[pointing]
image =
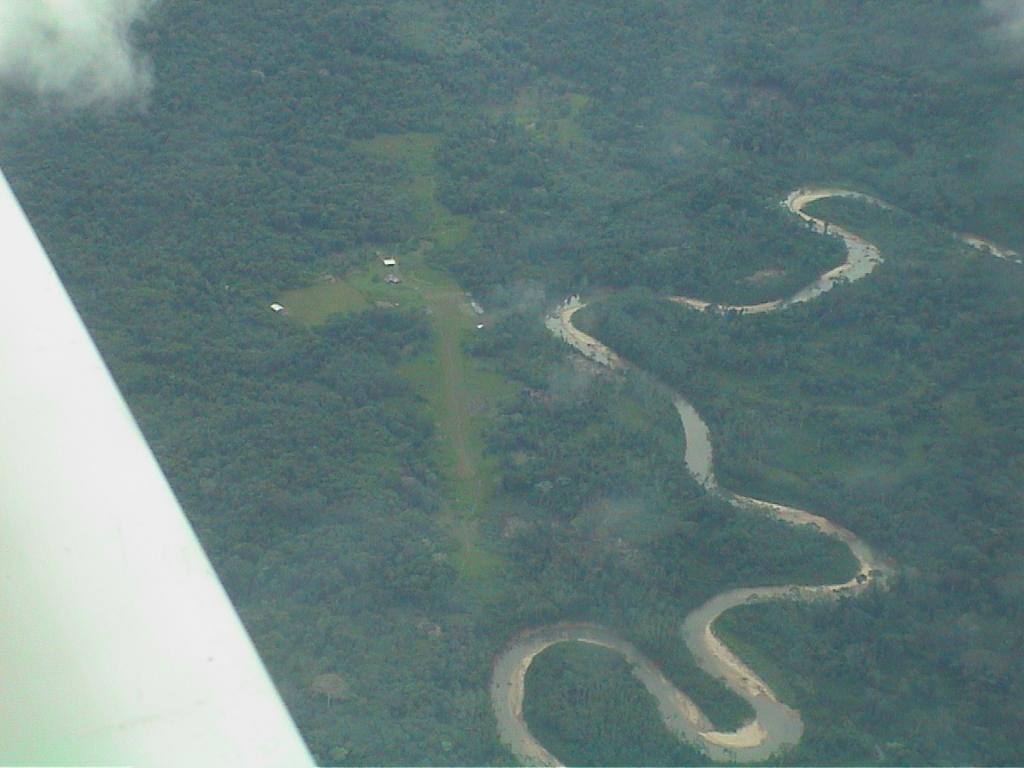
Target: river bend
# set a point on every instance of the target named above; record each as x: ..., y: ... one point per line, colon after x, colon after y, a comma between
x: 775, y: 725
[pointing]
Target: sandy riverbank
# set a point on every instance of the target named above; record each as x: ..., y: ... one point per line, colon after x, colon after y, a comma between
x: 775, y: 725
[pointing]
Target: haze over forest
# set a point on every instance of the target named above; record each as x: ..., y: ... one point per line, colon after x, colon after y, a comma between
x: 404, y: 473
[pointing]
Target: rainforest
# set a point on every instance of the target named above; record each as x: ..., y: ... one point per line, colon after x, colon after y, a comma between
x: 529, y: 262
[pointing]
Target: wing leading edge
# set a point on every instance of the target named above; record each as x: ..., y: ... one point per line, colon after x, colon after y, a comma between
x: 119, y: 644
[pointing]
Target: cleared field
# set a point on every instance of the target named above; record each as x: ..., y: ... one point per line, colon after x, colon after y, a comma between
x: 314, y: 304
x: 553, y: 117
x: 415, y: 152
x: 459, y: 394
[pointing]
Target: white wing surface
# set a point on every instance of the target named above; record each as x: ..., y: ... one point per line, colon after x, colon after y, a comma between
x: 118, y: 644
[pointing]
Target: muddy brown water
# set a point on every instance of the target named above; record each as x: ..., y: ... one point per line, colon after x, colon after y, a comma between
x: 775, y: 726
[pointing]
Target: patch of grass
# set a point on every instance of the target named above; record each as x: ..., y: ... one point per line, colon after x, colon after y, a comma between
x: 414, y: 151
x: 689, y: 132
x: 313, y: 304
x: 611, y: 520
x: 460, y: 393
x: 422, y: 27
x: 555, y: 117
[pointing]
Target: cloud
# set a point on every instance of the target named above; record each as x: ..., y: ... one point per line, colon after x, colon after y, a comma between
x: 79, y: 51
x: 1010, y: 16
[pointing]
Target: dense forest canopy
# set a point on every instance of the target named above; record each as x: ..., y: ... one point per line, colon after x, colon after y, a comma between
x: 392, y: 494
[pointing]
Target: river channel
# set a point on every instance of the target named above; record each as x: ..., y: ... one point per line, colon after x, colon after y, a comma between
x: 775, y: 725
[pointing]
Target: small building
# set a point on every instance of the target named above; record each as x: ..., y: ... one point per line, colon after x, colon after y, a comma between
x: 393, y: 278
x: 388, y: 261
x: 277, y: 307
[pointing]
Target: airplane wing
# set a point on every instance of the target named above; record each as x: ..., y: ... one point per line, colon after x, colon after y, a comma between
x: 118, y: 644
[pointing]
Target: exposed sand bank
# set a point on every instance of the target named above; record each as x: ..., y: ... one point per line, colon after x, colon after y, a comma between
x: 775, y: 725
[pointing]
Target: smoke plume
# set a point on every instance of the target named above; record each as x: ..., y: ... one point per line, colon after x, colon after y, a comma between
x: 79, y: 51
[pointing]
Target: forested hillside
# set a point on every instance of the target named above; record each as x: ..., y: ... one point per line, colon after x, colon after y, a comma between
x: 391, y: 494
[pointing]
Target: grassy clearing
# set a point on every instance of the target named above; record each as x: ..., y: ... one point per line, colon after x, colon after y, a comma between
x: 358, y: 290
x: 460, y: 395
x: 689, y: 133
x: 415, y: 153
x: 554, y: 117
x: 422, y: 26
x: 314, y: 304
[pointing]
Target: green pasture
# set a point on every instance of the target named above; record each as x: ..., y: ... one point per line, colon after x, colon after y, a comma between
x: 458, y: 393
x: 314, y: 304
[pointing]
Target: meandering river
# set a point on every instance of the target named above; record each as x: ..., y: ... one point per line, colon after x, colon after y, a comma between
x: 775, y: 725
